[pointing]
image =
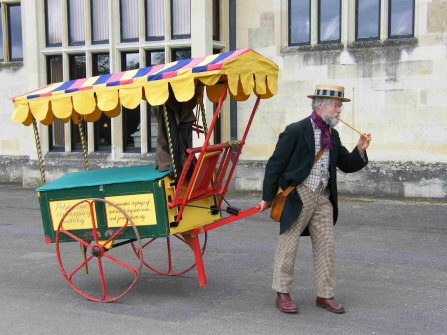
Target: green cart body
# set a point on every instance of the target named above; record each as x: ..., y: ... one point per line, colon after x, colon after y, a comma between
x: 140, y: 192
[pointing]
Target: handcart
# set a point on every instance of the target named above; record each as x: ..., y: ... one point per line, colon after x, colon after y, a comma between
x: 102, y: 220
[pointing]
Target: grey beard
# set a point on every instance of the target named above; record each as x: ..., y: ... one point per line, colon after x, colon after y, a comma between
x: 330, y: 121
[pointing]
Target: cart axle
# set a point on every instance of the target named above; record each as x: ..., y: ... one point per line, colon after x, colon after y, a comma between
x: 97, y: 251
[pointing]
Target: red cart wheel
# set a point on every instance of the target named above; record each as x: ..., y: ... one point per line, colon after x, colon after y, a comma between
x: 179, y: 258
x: 112, y: 271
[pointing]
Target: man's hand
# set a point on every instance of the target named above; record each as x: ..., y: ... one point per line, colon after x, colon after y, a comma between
x: 363, y: 144
x: 263, y: 205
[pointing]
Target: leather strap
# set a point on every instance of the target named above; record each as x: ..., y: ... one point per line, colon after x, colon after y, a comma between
x: 317, y: 157
x: 320, y: 153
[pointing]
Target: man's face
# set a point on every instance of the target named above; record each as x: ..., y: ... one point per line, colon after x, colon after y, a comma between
x: 331, y: 112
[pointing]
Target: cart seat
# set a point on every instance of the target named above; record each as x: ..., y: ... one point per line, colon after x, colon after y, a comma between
x: 209, y: 173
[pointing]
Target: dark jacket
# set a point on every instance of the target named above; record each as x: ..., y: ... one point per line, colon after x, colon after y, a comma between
x: 292, y: 161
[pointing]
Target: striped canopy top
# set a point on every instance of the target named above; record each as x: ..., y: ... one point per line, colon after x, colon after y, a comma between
x: 245, y: 71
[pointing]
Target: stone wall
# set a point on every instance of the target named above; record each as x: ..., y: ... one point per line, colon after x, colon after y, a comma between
x: 377, y: 179
x: 398, y: 89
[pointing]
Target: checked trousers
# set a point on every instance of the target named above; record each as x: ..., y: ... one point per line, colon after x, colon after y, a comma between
x: 316, y: 215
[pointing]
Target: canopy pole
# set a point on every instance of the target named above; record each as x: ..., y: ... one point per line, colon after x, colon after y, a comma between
x: 171, y: 147
x: 39, y: 153
x: 205, y: 126
x: 87, y: 167
x: 84, y: 146
x: 201, y: 106
x: 242, y: 143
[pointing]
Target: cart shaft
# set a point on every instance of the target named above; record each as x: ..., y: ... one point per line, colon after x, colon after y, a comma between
x: 196, y: 243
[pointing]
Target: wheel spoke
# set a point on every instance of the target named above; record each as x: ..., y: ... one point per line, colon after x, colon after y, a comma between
x: 108, y: 265
x: 172, y: 270
x: 76, y: 238
x: 116, y: 234
x: 103, y: 280
x: 168, y: 244
x: 70, y: 275
x: 124, y: 265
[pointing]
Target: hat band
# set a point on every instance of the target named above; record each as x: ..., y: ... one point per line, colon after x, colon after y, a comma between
x: 330, y: 93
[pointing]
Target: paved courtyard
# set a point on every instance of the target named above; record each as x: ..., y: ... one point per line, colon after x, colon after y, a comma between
x: 391, y: 274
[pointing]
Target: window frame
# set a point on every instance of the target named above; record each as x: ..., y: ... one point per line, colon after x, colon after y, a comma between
x: 98, y: 147
x: 2, y: 53
x: 174, y: 54
x: 319, y: 25
x: 78, y: 43
x: 52, y: 147
x: 216, y: 20
x: 290, y: 26
x: 148, y: 56
x: 152, y: 38
x: 122, y: 39
x: 99, y: 42
x: 90, y: 50
x: 6, y: 30
x: 152, y: 147
x: 125, y: 111
x: 47, y: 37
x: 179, y: 36
x: 9, y: 32
x: 394, y: 37
x: 71, y: 63
x: 357, y: 23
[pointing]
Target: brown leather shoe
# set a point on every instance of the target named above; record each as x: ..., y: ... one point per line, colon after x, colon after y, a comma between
x: 285, y: 304
x: 330, y: 304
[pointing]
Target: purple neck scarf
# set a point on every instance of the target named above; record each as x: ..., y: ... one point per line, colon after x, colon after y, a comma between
x: 325, y: 130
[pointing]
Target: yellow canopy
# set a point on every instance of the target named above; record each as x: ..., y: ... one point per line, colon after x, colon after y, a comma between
x: 245, y: 70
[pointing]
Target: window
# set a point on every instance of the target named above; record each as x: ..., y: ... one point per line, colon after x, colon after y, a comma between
x: 2, y: 47
x: 179, y: 54
x: 11, y: 49
x: 53, y: 20
x: 401, y: 18
x: 329, y: 20
x: 313, y: 22
x: 103, y: 131
x: 299, y: 18
x: 100, y: 64
x: 129, y: 20
x: 76, y: 22
x: 181, y: 19
x: 216, y: 20
x: 56, y: 130
x: 78, y: 44
x: 131, y: 117
x: 155, y: 20
x: 100, y: 21
x: 77, y: 71
x: 367, y: 20
x: 154, y: 57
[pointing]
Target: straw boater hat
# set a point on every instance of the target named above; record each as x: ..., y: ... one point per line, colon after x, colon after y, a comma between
x: 329, y: 91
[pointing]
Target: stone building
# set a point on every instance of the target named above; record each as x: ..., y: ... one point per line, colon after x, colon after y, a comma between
x: 391, y: 56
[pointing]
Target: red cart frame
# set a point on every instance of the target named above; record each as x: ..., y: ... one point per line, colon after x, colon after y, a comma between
x: 238, y: 74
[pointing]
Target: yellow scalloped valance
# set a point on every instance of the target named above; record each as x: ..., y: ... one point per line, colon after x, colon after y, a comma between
x: 246, y: 71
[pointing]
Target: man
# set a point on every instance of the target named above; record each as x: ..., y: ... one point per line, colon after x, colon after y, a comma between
x: 311, y: 207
